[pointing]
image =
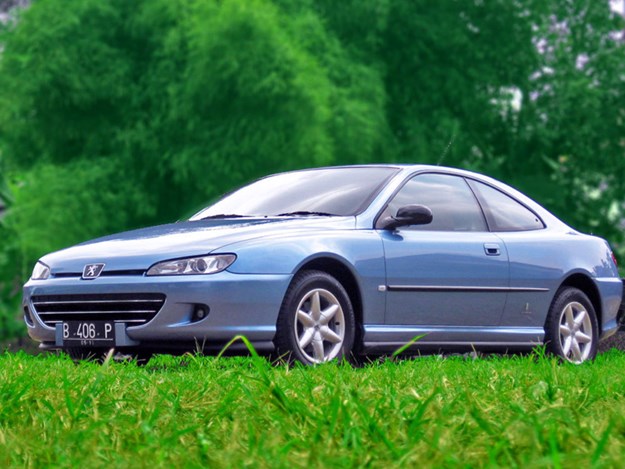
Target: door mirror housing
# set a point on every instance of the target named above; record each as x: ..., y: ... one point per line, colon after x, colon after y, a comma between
x: 407, y: 215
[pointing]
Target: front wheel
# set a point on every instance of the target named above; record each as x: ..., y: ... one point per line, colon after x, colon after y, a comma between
x: 316, y: 322
x: 571, y: 329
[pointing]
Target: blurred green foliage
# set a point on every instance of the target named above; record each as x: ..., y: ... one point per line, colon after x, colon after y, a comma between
x: 117, y: 114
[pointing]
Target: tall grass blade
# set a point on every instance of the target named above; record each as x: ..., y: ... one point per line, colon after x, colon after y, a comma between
x: 406, y: 346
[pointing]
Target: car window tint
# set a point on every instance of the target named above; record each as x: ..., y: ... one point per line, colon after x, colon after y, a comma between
x: 335, y: 191
x: 453, y: 205
x: 503, y: 212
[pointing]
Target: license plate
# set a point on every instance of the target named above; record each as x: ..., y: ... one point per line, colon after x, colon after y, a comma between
x: 89, y: 333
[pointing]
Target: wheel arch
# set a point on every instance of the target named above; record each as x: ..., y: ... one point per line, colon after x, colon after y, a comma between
x: 584, y: 283
x: 342, y: 273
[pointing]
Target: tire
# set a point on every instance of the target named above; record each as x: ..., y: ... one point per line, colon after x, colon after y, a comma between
x: 571, y: 329
x: 316, y: 322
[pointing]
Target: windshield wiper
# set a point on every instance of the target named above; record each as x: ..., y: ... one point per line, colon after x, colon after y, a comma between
x: 305, y: 213
x: 223, y: 215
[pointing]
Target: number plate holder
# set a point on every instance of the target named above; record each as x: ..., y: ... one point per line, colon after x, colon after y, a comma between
x: 88, y: 333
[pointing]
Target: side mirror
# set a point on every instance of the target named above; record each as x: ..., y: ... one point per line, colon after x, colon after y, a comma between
x: 408, y: 215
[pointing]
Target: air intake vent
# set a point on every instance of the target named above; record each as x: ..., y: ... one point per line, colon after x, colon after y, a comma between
x: 134, y: 308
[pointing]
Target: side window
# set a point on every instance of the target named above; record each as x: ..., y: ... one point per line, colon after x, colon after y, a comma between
x: 503, y: 212
x: 453, y: 205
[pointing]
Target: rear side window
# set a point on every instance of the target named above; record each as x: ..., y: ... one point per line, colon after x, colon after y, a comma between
x: 503, y: 213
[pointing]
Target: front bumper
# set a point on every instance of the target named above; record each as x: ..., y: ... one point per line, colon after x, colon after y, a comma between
x: 237, y: 304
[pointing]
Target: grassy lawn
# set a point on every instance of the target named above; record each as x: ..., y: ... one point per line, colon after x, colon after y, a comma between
x: 233, y: 412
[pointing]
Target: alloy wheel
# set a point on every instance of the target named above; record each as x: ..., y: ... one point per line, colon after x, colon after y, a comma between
x: 319, y: 326
x: 575, y: 332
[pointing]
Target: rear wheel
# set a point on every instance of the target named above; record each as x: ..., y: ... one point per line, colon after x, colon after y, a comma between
x: 571, y: 330
x: 316, y: 322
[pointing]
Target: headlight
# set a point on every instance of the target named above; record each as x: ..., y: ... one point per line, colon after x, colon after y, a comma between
x: 193, y: 265
x: 40, y: 272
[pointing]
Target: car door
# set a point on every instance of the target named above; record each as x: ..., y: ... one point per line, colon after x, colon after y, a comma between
x: 450, y: 272
x: 535, y: 272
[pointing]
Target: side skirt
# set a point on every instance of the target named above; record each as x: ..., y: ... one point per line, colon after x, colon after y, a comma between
x: 388, y: 338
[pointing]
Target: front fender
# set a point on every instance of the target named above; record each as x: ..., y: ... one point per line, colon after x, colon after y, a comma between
x: 360, y: 251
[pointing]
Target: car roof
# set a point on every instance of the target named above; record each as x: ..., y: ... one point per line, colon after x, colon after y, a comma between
x: 406, y: 168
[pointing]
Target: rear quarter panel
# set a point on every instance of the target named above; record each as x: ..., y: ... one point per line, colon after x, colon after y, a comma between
x: 546, y: 259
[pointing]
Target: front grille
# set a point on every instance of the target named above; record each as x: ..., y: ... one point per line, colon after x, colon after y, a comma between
x: 135, y: 308
x: 106, y: 273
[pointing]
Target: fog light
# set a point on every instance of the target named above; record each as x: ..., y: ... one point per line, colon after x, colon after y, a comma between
x: 199, y: 313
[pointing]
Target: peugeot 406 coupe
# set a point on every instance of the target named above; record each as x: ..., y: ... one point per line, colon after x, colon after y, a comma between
x: 333, y: 263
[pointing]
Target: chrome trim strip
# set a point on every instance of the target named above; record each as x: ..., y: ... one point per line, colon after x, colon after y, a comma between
x: 141, y: 321
x: 440, y: 288
x: 136, y: 311
x: 402, y: 334
x: 450, y: 343
x: 60, y: 302
x: 410, y: 329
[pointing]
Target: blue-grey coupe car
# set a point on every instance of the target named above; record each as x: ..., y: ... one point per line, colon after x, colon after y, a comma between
x: 332, y: 263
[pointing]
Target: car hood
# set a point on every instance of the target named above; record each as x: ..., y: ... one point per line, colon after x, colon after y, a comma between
x: 139, y: 249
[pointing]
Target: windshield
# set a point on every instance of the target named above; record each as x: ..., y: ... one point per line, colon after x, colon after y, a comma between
x: 327, y: 191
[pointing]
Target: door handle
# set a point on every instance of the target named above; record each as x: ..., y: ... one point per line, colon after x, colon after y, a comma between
x: 492, y: 249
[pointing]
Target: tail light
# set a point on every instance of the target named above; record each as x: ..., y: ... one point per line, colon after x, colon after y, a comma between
x: 614, y: 259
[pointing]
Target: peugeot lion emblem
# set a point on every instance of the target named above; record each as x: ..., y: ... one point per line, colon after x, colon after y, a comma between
x: 92, y: 271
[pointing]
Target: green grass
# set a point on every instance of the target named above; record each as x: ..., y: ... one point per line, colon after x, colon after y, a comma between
x: 233, y: 412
